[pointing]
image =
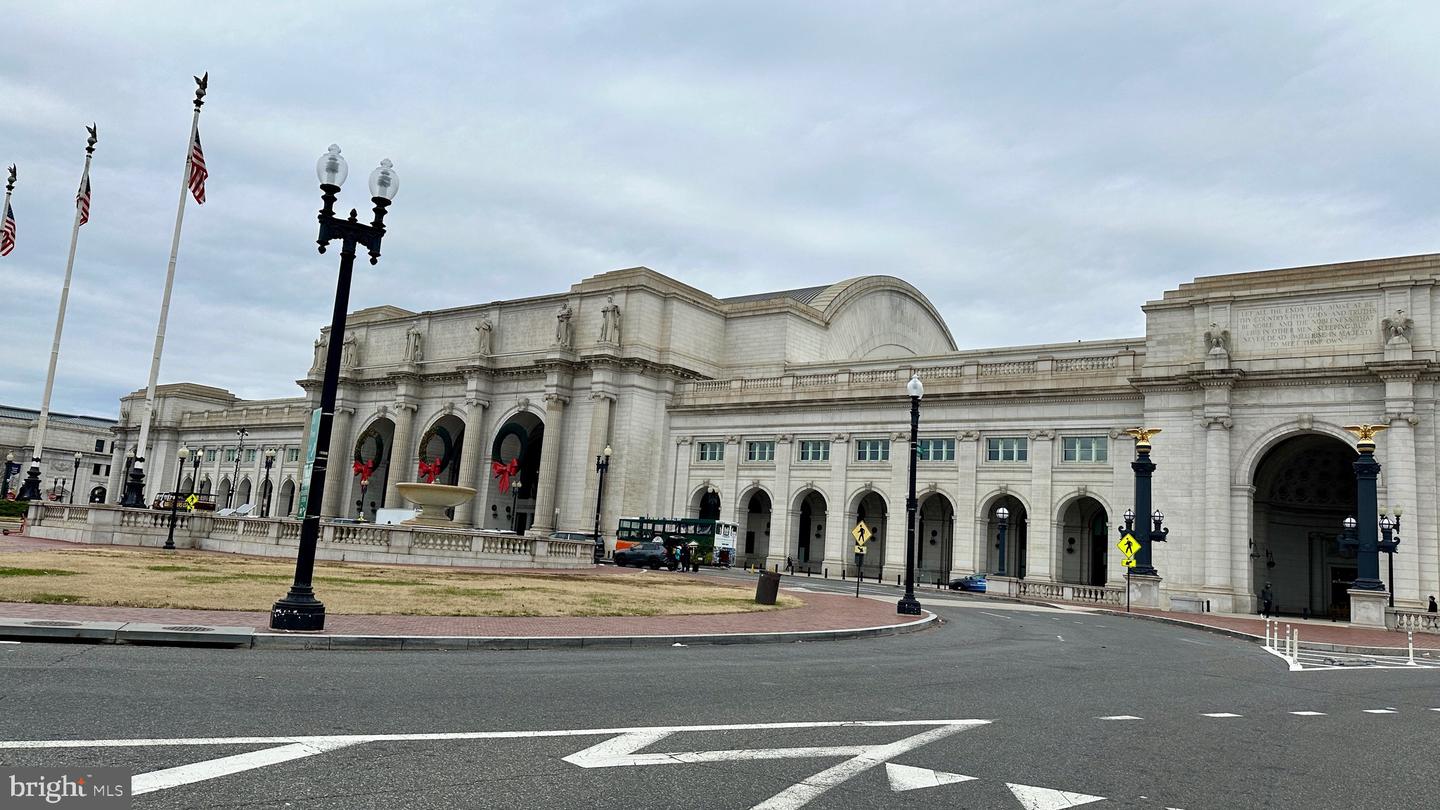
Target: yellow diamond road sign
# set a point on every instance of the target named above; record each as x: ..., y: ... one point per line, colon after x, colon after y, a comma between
x: 861, y: 533
x: 1128, y: 562
x: 191, y: 501
x: 1128, y: 545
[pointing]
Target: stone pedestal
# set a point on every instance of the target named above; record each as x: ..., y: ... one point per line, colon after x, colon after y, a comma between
x: 1145, y: 591
x: 1367, y: 608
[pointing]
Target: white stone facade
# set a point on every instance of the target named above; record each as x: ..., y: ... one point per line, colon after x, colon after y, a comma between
x: 786, y: 413
x: 60, y: 472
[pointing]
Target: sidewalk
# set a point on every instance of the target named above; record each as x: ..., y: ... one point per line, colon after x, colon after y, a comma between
x: 1312, y: 632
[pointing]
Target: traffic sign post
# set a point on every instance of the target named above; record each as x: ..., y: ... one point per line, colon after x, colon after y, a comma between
x: 859, y: 566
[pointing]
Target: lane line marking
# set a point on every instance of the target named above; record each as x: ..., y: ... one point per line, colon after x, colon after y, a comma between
x: 1192, y: 641
x: 225, y: 766
x: 1120, y: 717
x: 1219, y: 714
x: 1380, y: 711
x: 1309, y: 714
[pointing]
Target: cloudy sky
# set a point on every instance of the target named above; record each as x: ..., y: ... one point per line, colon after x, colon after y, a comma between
x: 1039, y: 169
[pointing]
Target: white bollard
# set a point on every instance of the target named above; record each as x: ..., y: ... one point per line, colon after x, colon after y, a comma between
x: 1410, y: 642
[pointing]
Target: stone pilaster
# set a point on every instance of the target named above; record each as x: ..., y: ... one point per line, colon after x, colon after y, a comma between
x: 1040, y: 548
x: 966, y: 544
x: 337, y: 464
x: 403, y: 465
x: 602, y: 402
x: 785, y: 515
x: 684, y: 454
x: 729, y: 483
x: 1401, y: 478
x: 839, y: 518
x: 546, y: 497
x: 1219, y: 552
x: 472, y: 455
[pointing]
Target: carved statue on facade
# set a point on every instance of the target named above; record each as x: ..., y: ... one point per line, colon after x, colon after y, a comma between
x: 484, y: 334
x: 610, y: 321
x: 349, y: 352
x: 563, y: 334
x: 1217, y: 340
x: 414, y: 344
x: 322, y: 347
x: 1397, y: 327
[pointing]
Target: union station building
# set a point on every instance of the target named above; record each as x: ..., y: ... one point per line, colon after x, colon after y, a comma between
x: 786, y: 413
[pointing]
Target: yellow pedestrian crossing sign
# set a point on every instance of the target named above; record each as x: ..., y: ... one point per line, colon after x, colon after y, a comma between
x: 1128, y: 545
x: 862, y: 534
x: 191, y: 501
x: 1128, y: 562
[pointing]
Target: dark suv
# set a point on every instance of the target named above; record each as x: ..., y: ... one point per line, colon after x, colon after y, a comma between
x: 643, y: 554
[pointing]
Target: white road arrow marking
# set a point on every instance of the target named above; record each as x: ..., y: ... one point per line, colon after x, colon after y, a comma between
x: 213, y: 768
x: 1039, y: 798
x: 619, y: 752
x: 905, y: 777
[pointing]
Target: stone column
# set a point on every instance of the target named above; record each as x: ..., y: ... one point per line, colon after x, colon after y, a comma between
x: 300, y: 479
x: 546, y: 498
x: 839, y: 520
x: 1216, y: 553
x: 1401, y: 488
x: 1040, y: 549
x: 403, y: 465
x: 337, y: 468
x: 472, y: 454
x: 896, y: 534
x: 684, y: 453
x: 966, y: 542
x: 729, y: 485
x: 117, y: 471
x: 601, y: 402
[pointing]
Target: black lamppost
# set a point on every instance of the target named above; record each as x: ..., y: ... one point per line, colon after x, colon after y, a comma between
x: 183, y: 453
x: 1389, y: 543
x: 75, y: 475
x: 195, y: 469
x: 908, y: 604
x: 265, y: 488
x: 602, y: 463
x: 129, y: 462
x: 1367, y: 508
x: 1003, y: 516
x: 1144, y: 470
x: 299, y: 609
x: 235, y: 481
x: 9, y: 466
x: 515, y: 506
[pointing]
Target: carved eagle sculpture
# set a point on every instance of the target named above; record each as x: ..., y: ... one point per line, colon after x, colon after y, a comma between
x: 1397, y: 326
x: 1217, y: 338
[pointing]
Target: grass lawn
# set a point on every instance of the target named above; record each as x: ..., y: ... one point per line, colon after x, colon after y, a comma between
x: 199, y: 580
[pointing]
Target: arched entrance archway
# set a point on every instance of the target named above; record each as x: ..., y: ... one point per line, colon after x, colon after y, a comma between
x: 1008, y: 561
x: 755, y: 533
x: 205, y: 486
x: 97, y: 495
x: 242, y: 497
x: 188, y: 485
x: 443, y: 443
x: 287, y: 499
x: 1304, y: 489
x: 810, y: 518
x: 515, y: 462
x: 222, y: 495
x: 1081, y: 546
x: 706, y: 503
x: 267, y: 498
x: 934, y: 535
x: 372, y: 448
x: 870, y: 507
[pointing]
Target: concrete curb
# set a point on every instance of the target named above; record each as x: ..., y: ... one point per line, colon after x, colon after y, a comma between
x: 246, y: 637
x: 1243, y: 636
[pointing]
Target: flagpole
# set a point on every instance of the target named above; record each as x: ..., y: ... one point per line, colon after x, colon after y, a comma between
x: 31, y: 489
x: 5, y: 210
x: 135, y: 486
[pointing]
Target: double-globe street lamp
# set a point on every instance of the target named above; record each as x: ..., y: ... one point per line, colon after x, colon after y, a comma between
x: 299, y: 609
x: 240, y: 433
x: 9, y: 466
x: 1389, y: 543
x: 602, y: 463
x: 75, y: 475
x: 265, y: 488
x: 195, y: 469
x: 182, y: 454
x: 908, y: 604
x: 1003, y: 516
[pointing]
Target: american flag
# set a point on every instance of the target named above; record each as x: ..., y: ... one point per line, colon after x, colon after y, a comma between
x: 82, y: 199
x: 7, y: 233
x: 197, y: 170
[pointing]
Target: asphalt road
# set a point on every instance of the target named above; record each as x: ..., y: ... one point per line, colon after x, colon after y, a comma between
x: 698, y: 726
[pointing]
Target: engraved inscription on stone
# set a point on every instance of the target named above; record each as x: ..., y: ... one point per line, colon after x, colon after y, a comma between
x: 1309, y: 325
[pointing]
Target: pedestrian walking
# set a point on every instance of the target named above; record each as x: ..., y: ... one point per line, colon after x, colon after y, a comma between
x: 1434, y: 608
x: 682, y: 555
x: 789, y: 565
x: 1267, y: 600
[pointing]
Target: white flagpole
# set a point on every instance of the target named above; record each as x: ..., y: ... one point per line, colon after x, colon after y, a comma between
x: 31, y: 488
x: 135, y: 487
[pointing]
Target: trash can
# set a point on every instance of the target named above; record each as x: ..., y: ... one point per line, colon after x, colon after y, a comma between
x: 767, y: 588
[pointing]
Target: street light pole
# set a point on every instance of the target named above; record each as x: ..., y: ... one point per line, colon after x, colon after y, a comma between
x: 235, y: 481
x: 195, y: 470
x: 515, y: 506
x: 1003, y: 516
x: 299, y: 609
x: 1144, y: 471
x: 265, y: 491
x: 908, y: 604
x: 602, y: 463
x: 1367, y: 508
x: 1389, y: 544
x: 183, y: 454
x: 75, y: 475
x: 5, y: 487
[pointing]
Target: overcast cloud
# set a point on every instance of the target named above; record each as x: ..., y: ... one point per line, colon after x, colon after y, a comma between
x: 1038, y: 169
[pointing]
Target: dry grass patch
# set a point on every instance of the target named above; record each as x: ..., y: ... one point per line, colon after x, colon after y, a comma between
x: 196, y: 580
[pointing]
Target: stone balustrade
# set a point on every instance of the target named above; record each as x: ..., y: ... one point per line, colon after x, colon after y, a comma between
x: 1414, y: 621
x: 280, y: 537
x: 1057, y: 591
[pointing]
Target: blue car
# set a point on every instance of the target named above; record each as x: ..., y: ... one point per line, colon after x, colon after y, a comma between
x: 975, y: 583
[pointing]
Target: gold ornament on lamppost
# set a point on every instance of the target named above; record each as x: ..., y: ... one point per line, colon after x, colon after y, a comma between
x: 1366, y: 435
x: 1142, y: 436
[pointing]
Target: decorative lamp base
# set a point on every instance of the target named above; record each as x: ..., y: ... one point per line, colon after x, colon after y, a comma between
x: 298, y: 614
x: 135, y: 488
x: 1367, y: 607
x: 908, y: 606
x: 30, y: 490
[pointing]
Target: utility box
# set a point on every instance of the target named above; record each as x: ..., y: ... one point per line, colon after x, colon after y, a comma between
x: 768, y: 588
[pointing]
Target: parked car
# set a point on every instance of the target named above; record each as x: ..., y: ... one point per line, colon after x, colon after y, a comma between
x: 643, y: 554
x: 583, y: 537
x: 974, y: 583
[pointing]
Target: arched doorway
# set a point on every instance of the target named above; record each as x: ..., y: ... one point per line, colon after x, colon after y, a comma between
x: 810, y: 529
x: 267, y: 498
x: 706, y: 503
x: 205, y: 486
x: 515, y: 464
x: 372, y: 453
x: 97, y: 495
x: 870, y: 507
x: 934, y: 534
x: 242, y: 497
x: 755, y: 534
x: 1009, y: 560
x: 443, y: 444
x: 1304, y: 489
x: 287, y: 499
x: 1084, y: 529
x: 222, y: 495
x: 188, y: 485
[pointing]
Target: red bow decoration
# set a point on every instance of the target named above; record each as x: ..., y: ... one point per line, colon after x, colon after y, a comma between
x: 504, y: 471
x: 429, y: 470
x: 364, y: 469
